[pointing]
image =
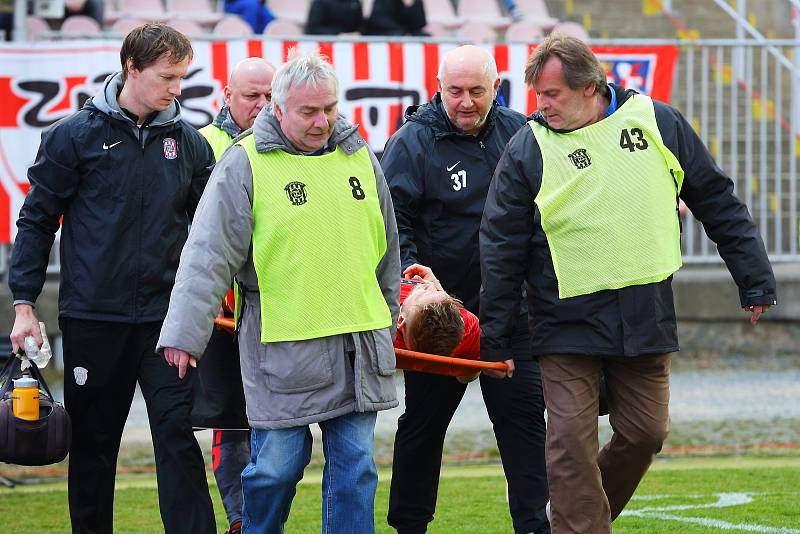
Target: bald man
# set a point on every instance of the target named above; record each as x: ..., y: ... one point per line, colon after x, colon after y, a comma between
x: 249, y: 90
x: 219, y: 396
x: 438, y: 166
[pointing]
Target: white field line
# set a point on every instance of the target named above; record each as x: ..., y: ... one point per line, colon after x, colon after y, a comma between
x: 724, y: 500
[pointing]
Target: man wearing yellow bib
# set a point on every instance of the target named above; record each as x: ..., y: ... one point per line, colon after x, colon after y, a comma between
x: 299, y: 211
x: 583, y: 207
x: 219, y: 398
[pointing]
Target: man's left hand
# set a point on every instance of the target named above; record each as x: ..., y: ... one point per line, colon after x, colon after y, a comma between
x: 756, y: 311
x: 179, y: 358
x: 501, y: 374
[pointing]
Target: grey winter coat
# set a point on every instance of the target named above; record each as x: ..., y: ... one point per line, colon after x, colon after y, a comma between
x: 289, y: 383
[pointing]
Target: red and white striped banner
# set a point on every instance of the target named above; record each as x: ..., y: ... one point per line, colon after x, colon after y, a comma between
x: 41, y: 83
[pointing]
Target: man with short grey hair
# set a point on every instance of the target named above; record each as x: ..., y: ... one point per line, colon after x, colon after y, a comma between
x: 219, y: 397
x: 298, y: 193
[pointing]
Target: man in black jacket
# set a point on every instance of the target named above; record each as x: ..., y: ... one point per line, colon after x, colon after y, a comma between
x: 126, y: 174
x: 439, y: 166
x: 584, y: 208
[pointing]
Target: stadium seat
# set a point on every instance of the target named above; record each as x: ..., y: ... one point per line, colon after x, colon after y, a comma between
x: 283, y: 28
x: 524, y: 31
x: 571, y: 29
x: 110, y: 12
x: 186, y: 26
x: 80, y: 24
x: 292, y: 10
x: 145, y: 9
x: 437, y: 29
x: 197, y: 10
x: 35, y: 27
x: 484, y: 11
x: 536, y: 11
x: 441, y: 12
x: 232, y: 26
x: 476, y: 32
x: 125, y: 24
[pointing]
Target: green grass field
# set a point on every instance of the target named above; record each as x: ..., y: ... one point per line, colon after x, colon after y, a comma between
x: 686, y: 495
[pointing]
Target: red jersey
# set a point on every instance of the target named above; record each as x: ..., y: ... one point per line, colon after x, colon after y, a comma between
x: 470, y: 346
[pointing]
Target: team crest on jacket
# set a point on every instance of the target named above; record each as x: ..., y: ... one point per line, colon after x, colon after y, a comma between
x: 170, y: 148
x: 296, y: 191
x: 580, y: 158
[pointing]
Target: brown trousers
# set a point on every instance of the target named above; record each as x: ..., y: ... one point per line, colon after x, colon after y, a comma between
x: 588, y: 489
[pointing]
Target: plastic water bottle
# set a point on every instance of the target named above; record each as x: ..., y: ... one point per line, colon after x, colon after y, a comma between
x: 39, y: 356
x: 25, y: 398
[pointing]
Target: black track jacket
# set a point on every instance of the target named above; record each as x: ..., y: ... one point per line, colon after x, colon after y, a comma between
x: 439, y: 177
x: 631, y: 321
x: 126, y: 195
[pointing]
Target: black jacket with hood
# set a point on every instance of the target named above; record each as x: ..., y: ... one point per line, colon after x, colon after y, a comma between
x: 631, y: 321
x: 439, y: 177
x: 126, y: 195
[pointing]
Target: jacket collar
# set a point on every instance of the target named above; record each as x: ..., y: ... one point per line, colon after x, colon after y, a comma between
x: 269, y: 136
x: 622, y: 96
x: 433, y: 115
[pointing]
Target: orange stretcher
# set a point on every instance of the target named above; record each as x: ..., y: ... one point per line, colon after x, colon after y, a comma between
x: 416, y: 361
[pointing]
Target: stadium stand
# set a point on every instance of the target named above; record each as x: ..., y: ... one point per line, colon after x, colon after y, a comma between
x: 283, y: 28
x: 80, y: 24
x: 125, y: 24
x: 232, y: 26
x: 571, y: 29
x: 476, y: 32
x: 437, y: 29
x: 291, y: 10
x: 482, y: 11
x: 35, y: 27
x: 536, y: 11
x: 441, y: 12
x: 144, y: 9
x: 186, y: 26
x: 524, y: 31
x: 198, y: 11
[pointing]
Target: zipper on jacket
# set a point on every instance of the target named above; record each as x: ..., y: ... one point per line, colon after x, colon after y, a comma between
x: 481, y: 144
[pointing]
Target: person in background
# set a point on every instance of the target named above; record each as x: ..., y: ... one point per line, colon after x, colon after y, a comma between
x: 439, y: 165
x: 300, y: 192
x: 89, y: 8
x: 396, y: 17
x: 219, y: 398
x: 513, y: 10
x: 126, y: 174
x: 332, y: 17
x: 583, y: 208
x: 254, y: 12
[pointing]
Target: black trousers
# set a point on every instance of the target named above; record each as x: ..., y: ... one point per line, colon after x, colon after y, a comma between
x: 516, y: 409
x: 103, y: 361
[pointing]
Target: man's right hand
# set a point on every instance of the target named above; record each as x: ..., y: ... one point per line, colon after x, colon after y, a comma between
x: 25, y: 324
x: 422, y: 272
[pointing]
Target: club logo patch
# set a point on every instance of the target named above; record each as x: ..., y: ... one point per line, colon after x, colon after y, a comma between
x: 580, y: 158
x: 170, y: 148
x: 81, y: 374
x: 296, y: 191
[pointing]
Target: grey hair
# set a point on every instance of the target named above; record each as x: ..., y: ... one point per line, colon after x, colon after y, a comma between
x: 302, y: 69
x: 490, y: 68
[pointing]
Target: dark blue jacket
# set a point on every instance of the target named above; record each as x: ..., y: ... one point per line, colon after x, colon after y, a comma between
x: 126, y: 195
x: 632, y: 321
x: 439, y: 177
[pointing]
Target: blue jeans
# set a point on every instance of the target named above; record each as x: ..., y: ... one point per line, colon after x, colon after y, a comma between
x: 278, y: 458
